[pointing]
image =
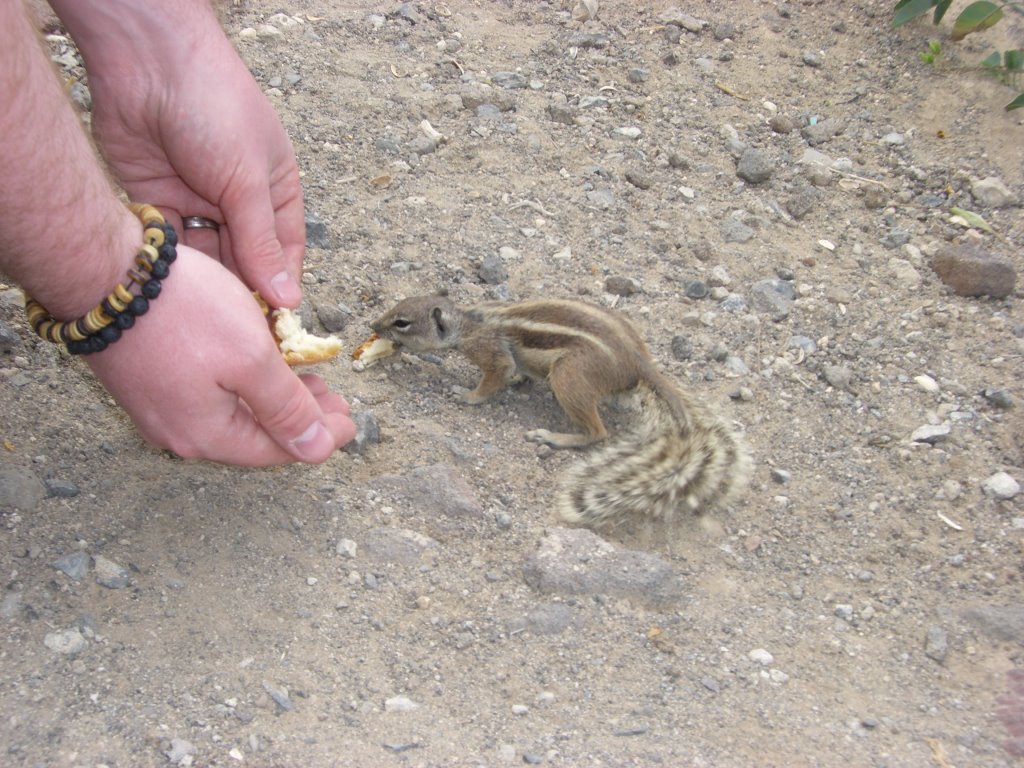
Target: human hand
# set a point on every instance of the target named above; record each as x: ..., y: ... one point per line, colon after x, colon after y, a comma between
x: 201, y: 375
x: 185, y: 127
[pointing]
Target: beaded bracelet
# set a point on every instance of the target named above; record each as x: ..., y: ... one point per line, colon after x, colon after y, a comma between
x: 102, y: 325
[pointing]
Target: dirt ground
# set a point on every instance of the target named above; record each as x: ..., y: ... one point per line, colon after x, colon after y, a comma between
x: 862, y: 605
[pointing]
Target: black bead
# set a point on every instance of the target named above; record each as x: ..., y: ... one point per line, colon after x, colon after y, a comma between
x: 168, y: 253
x: 124, y: 320
x: 96, y: 344
x: 170, y: 236
x: 110, y: 333
x: 138, y: 306
x: 160, y: 269
x: 78, y: 347
x: 151, y: 288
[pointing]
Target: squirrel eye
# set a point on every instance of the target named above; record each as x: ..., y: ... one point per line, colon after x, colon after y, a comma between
x: 401, y: 324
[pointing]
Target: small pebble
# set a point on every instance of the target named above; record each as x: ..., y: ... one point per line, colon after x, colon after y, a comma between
x: 1001, y: 485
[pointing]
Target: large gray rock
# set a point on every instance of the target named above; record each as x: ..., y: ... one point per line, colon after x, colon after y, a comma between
x: 970, y: 270
x: 20, y: 489
x: 579, y: 562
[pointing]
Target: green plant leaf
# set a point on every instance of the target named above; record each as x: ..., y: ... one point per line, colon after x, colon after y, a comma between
x: 992, y: 61
x: 906, y: 10
x: 974, y: 18
x: 971, y: 218
x: 1013, y: 59
x: 940, y: 10
x: 1017, y: 103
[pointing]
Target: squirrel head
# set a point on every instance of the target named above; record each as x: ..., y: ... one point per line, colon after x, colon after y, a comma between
x: 421, y: 324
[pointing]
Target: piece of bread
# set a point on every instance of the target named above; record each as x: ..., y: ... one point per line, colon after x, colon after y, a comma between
x: 298, y: 346
x: 370, y: 351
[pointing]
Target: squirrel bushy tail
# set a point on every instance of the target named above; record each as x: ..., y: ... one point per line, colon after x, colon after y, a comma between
x: 677, y: 456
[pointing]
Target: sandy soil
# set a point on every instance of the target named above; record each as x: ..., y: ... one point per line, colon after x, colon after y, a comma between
x: 861, y: 606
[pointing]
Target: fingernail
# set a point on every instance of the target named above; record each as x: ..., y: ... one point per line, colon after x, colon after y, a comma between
x: 285, y: 290
x: 305, y: 445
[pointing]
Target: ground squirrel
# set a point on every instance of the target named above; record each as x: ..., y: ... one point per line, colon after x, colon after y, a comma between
x: 675, y: 454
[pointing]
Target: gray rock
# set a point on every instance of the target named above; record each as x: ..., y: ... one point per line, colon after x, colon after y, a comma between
x: 179, y: 751
x: 812, y: 59
x: 602, y: 198
x: 510, y: 80
x: 492, y: 270
x: 772, y: 297
x: 387, y: 145
x: 638, y: 75
x: 781, y: 124
x: 397, y: 545
x: 993, y: 193
x: 1004, y: 623
x: 618, y: 285
x: 333, y: 317
x: 422, y: 145
x: 591, y: 102
x: 579, y: 562
x: 733, y: 303
x: 930, y: 433
x: 346, y: 548
x: 970, y: 270
x: 69, y: 642
x: 316, y: 232
x: 676, y: 17
x: 1000, y: 398
x: 433, y: 490
x: 735, y: 231
x: 936, y: 644
x: 109, y: 574
x: 755, y: 166
x: 822, y: 131
x: 20, y: 489
x: 62, y: 489
x: 799, y: 204
x: 590, y: 40
x: 682, y: 348
x: 807, y: 344
x: 9, y: 339
x: 896, y: 237
x: 488, y: 113
x: 74, y: 565
x: 696, y: 289
x: 639, y: 179
x: 367, y: 433
x: 838, y: 376
x: 559, y: 110
x: 279, y: 696
x: 1001, y: 485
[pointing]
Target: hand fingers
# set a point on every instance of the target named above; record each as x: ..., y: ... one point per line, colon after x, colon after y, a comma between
x: 308, y: 424
x: 264, y: 267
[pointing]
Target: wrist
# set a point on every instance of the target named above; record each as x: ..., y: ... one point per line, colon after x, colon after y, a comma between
x: 121, y: 38
x: 104, y: 324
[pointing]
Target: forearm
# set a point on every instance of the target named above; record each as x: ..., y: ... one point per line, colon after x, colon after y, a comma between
x: 64, y: 235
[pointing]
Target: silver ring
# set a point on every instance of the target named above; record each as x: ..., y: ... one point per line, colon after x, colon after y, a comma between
x: 199, y: 222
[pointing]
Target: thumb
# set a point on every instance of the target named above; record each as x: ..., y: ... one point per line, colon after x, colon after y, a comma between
x: 289, y: 413
x: 257, y: 250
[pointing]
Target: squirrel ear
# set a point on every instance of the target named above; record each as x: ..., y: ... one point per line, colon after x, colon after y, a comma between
x: 437, y: 315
